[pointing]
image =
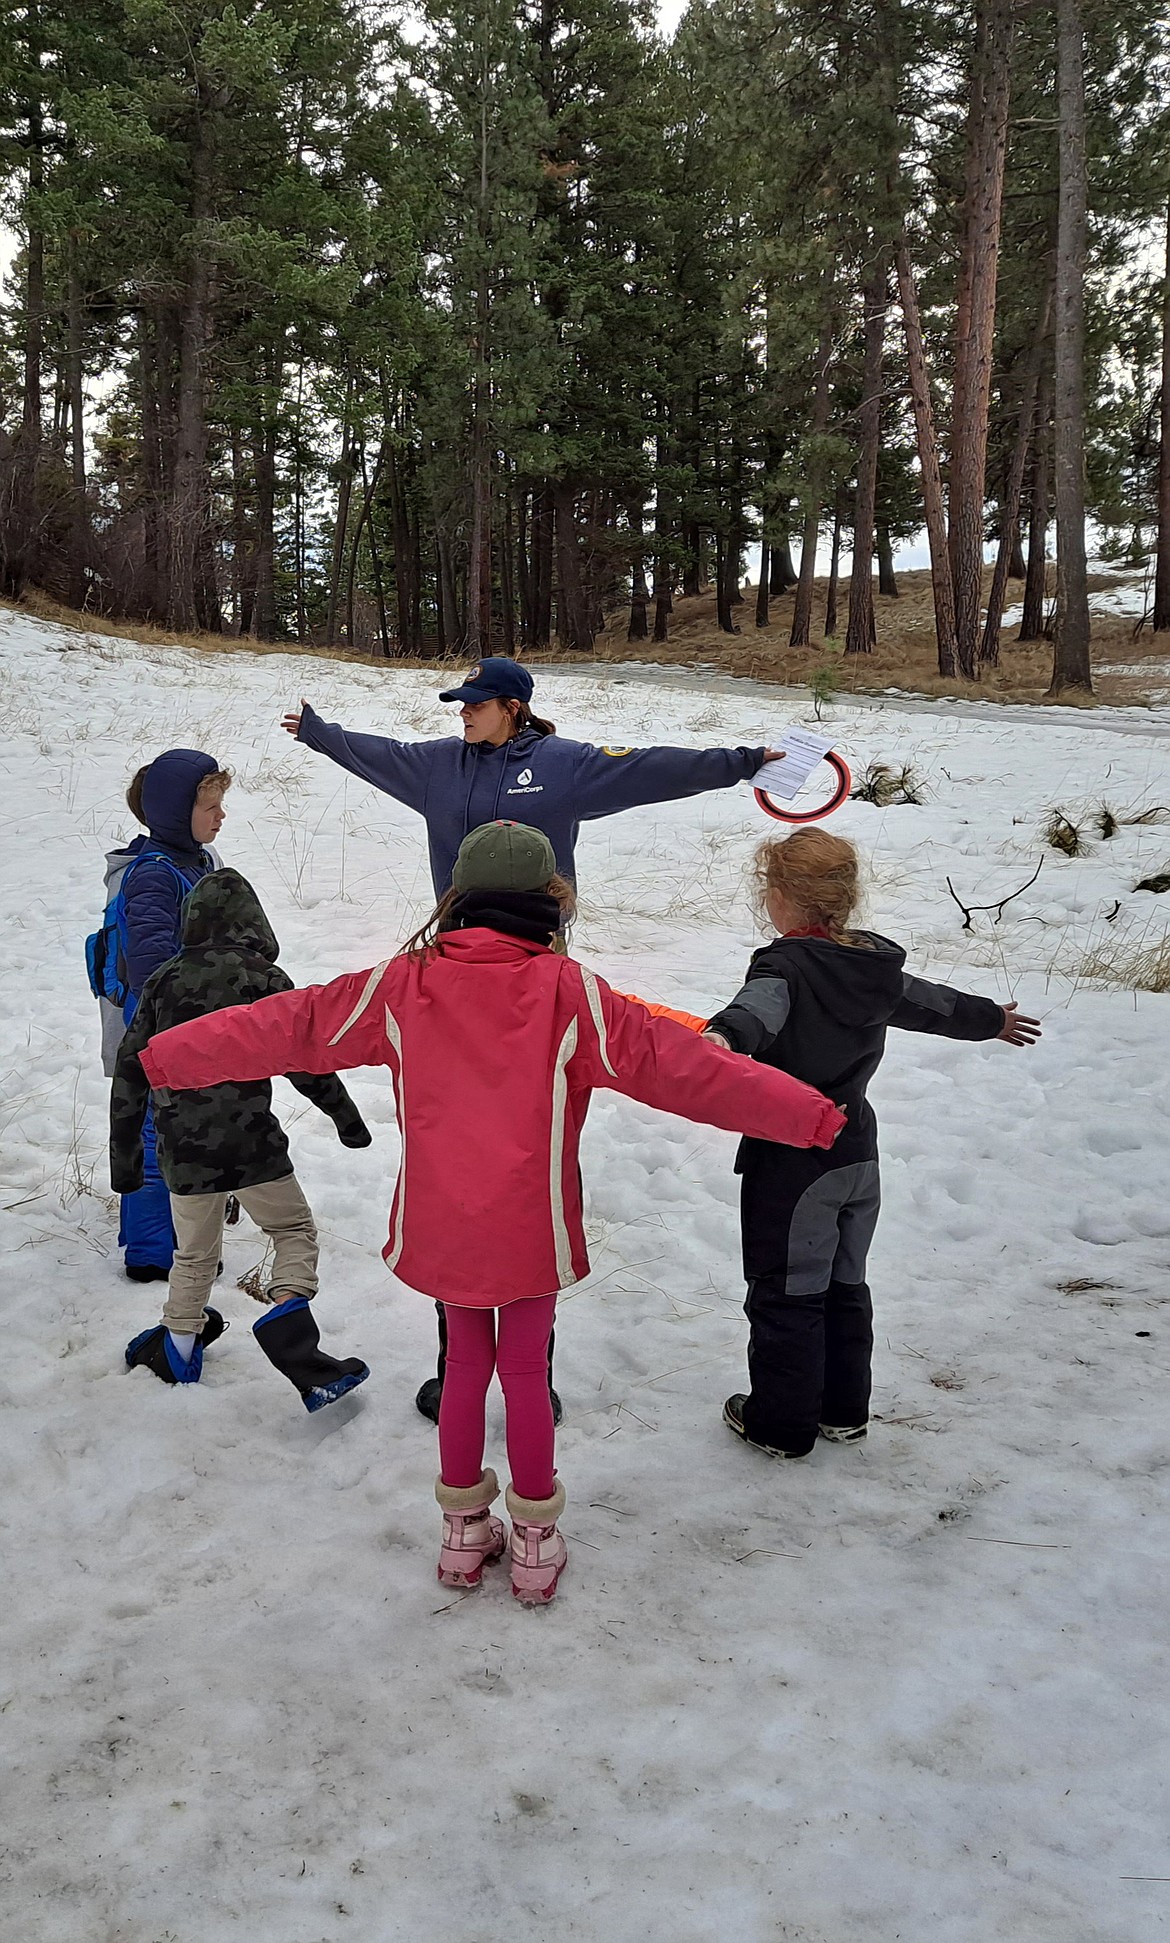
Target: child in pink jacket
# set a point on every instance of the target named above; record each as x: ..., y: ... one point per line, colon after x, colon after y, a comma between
x: 494, y: 1040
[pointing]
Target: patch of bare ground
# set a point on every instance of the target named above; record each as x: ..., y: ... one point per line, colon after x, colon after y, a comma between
x: 906, y: 655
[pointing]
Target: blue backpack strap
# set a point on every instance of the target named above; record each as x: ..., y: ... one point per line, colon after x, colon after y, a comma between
x: 105, y: 950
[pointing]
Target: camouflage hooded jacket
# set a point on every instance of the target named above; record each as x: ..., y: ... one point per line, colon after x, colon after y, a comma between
x: 219, y: 1138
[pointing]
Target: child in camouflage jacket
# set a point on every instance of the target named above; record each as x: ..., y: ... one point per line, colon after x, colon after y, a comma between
x: 222, y: 1141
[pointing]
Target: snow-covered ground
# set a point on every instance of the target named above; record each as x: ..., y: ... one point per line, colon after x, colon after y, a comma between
x: 910, y: 1690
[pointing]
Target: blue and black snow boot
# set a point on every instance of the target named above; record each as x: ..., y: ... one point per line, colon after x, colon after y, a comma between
x: 290, y: 1339
x: 154, y: 1350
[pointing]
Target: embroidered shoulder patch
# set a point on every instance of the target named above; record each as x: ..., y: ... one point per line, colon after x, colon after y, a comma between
x: 617, y: 752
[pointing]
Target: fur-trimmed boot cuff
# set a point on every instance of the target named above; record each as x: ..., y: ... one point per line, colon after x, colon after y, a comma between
x: 471, y: 1537
x: 535, y: 1511
x: 537, y: 1550
x: 464, y: 1499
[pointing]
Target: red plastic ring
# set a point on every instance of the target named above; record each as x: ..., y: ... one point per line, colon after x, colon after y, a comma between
x: 840, y: 795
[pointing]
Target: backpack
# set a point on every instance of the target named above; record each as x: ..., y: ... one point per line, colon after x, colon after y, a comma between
x: 105, y: 951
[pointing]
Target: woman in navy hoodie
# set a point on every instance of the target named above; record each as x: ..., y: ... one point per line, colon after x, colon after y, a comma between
x: 179, y: 797
x: 509, y: 763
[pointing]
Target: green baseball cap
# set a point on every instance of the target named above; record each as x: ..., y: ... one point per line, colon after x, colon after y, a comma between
x: 504, y: 857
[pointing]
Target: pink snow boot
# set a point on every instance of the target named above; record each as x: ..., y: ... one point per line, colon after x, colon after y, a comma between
x: 538, y: 1551
x: 471, y: 1538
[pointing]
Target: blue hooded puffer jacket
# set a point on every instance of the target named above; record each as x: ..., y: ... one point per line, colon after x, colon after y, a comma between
x: 543, y: 780
x: 153, y: 900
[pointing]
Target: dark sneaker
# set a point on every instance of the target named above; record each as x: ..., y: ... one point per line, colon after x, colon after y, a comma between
x: 430, y: 1395
x: 733, y: 1418
x: 154, y: 1350
x: 147, y: 1272
x: 843, y: 1433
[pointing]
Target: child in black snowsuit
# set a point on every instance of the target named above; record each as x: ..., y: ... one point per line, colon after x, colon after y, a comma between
x: 225, y: 1141
x: 817, y: 1003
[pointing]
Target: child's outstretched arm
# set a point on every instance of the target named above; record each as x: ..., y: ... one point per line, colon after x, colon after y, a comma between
x: 322, y: 1029
x: 400, y: 769
x: 951, y: 1014
x: 326, y: 1091
x: 756, y: 1015
x: 668, y: 1066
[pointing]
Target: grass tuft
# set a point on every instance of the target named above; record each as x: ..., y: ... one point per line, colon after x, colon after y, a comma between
x: 1132, y: 967
x: 884, y: 785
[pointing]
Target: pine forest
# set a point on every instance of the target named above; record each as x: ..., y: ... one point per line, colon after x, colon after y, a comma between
x: 466, y: 327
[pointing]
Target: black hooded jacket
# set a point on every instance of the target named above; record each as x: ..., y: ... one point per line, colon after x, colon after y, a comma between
x: 219, y: 1138
x: 820, y: 1011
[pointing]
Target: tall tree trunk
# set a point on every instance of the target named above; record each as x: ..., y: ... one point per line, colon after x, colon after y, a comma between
x: 302, y: 617
x: 449, y: 628
x: 574, y: 631
x: 187, y: 508
x: 1009, y: 536
x: 638, y: 627
x: 543, y: 535
x: 264, y: 470
x: 763, y: 583
x: 860, y: 633
x: 153, y: 602
x: 341, y: 522
x: 1033, y: 619
x: 369, y: 495
x: 887, y: 580
x: 1162, y: 566
x: 834, y: 576
x: 663, y: 573
x: 79, y: 512
x: 1070, y: 651
x: 694, y: 578
x: 726, y: 580
x: 783, y: 572
x: 403, y: 549
x: 929, y: 468
x: 479, y: 566
x: 22, y: 550
x: 243, y: 556
x: 975, y: 316
x: 507, y: 574
x: 814, y: 486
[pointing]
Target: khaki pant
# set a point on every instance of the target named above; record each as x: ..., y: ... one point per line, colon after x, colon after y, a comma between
x: 278, y: 1207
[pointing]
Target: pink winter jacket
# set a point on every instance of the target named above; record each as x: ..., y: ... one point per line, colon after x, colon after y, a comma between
x: 494, y: 1046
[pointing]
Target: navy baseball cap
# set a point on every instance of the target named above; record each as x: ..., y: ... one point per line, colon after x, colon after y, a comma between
x: 495, y: 679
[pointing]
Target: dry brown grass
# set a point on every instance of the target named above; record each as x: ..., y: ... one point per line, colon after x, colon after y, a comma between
x: 45, y: 608
x: 905, y: 657
x: 1141, y: 965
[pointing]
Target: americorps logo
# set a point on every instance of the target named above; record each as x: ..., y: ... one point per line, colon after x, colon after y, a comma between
x: 524, y: 778
x: 524, y: 785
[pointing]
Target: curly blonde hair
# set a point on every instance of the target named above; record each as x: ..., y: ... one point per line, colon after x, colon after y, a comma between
x: 815, y: 873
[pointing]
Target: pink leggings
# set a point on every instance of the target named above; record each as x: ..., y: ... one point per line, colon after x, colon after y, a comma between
x: 514, y: 1341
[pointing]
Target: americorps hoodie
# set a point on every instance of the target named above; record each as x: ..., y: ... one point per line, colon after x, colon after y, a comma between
x: 543, y: 780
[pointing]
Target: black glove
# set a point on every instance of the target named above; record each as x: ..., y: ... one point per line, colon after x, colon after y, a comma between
x: 354, y: 1133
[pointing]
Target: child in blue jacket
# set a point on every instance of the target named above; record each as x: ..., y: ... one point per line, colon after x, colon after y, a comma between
x: 179, y: 797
